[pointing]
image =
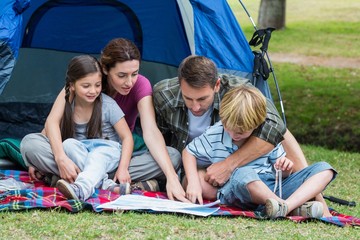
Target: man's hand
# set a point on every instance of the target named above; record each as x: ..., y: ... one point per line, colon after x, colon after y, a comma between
x: 68, y: 169
x: 218, y: 173
x: 174, y: 189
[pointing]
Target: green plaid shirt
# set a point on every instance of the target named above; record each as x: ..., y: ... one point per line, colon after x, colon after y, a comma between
x: 172, y: 117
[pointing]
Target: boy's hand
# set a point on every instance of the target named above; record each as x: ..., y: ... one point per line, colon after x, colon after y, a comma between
x: 194, y: 192
x: 284, y: 164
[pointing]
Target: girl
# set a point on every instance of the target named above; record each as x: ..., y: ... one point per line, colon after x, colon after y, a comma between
x: 92, y: 126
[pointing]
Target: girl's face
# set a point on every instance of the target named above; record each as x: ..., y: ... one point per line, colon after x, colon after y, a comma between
x: 88, y: 88
x: 123, y: 76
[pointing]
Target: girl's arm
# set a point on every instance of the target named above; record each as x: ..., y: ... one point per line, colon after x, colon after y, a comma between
x: 122, y: 174
x: 67, y: 168
x: 193, y: 189
x: 156, y: 145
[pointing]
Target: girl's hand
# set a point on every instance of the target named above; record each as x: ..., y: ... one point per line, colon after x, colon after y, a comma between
x: 68, y: 169
x: 194, y: 193
x: 284, y: 164
x: 33, y: 175
x: 122, y: 175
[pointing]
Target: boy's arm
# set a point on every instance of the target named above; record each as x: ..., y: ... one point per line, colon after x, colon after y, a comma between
x: 193, y: 189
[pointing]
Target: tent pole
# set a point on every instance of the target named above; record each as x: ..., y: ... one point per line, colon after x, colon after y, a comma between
x: 270, y: 64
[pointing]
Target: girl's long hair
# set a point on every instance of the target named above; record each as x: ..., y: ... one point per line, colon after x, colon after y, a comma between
x: 79, y: 67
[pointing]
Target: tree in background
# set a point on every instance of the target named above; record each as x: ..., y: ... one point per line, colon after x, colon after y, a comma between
x: 272, y: 14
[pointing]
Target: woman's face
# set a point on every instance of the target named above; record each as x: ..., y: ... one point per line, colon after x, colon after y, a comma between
x: 123, y: 76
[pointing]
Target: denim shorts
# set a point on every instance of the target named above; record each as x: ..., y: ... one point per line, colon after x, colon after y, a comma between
x: 235, y: 192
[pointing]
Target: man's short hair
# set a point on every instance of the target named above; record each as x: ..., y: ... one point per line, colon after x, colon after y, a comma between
x: 198, y: 71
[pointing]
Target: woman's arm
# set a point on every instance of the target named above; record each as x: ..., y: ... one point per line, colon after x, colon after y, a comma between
x: 127, y: 145
x: 67, y: 168
x: 156, y: 145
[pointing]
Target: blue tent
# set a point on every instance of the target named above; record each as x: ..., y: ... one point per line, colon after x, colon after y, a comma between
x: 166, y: 32
x: 10, y: 38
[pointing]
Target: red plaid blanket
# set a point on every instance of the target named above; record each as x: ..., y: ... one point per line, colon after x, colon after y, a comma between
x: 46, y: 197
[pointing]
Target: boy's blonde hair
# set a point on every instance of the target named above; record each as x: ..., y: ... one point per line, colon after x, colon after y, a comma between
x: 243, y: 109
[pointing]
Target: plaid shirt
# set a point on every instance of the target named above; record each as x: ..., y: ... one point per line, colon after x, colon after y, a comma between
x: 172, y: 117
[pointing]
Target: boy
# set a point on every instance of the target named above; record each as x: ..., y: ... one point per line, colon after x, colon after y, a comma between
x: 242, y: 110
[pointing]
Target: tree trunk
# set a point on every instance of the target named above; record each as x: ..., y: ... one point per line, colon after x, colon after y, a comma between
x: 272, y: 14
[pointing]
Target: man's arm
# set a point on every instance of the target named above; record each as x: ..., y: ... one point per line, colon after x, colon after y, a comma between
x: 294, y: 152
x: 218, y: 173
x: 262, y: 141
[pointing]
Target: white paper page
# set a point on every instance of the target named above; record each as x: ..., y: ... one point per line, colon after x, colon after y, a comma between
x: 139, y: 202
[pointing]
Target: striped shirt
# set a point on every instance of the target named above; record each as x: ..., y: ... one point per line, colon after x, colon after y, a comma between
x: 215, y: 145
x: 172, y: 117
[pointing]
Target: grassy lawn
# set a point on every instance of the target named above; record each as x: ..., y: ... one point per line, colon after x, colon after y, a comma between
x: 321, y: 106
x: 314, y: 28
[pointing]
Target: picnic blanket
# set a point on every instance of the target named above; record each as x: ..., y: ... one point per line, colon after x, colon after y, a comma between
x: 40, y: 196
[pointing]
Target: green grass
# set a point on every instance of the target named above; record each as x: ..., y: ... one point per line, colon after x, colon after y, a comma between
x: 60, y: 224
x: 313, y: 28
x: 321, y: 104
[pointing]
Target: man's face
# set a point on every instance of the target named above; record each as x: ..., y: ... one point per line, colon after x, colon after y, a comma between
x: 198, y: 100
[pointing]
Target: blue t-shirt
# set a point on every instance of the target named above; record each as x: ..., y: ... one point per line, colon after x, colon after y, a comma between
x: 215, y: 145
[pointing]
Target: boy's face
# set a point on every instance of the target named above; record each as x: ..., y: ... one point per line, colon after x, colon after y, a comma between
x: 198, y: 100
x: 237, y: 136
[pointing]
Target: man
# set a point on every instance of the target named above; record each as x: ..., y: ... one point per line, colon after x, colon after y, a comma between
x: 187, y: 105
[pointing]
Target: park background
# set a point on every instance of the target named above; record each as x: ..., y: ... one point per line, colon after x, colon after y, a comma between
x: 321, y: 106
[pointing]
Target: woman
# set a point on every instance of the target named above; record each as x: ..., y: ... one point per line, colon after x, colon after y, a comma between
x: 120, y: 61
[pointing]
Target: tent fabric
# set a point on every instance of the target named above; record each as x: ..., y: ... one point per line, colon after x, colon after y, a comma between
x: 53, y: 31
x: 10, y: 39
x: 156, y: 26
x: 217, y: 33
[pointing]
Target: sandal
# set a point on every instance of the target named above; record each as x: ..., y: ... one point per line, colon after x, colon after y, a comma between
x: 122, y: 188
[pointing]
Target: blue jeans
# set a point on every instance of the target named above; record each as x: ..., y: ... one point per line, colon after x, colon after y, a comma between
x: 96, y: 157
x: 235, y: 191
